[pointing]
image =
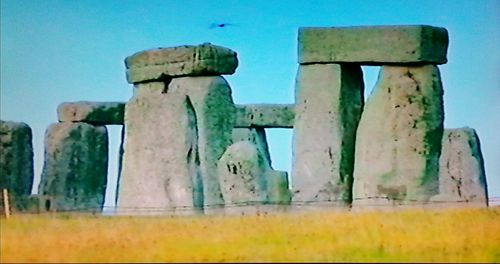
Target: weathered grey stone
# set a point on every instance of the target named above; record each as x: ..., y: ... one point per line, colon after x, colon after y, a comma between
x: 375, y: 45
x: 98, y: 113
x: 164, y: 63
x: 329, y: 101
x: 160, y: 146
x: 278, y: 191
x: 399, y: 138
x: 175, y: 136
x: 256, y: 135
x: 75, y: 168
x: 265, y: 115
x: 242, y: 171
x: 461, y: 169
x: 16, y: 161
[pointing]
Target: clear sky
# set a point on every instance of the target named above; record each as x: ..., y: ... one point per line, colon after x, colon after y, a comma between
x: 56, y: 51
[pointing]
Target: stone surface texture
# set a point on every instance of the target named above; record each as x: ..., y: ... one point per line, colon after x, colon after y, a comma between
x: 98, y: 113
x: 164, y: 63
x: 256, y: 135
x: 461, y: 168
x: 375, y: 45
x: 278, y: 191
x: 399, y: 138
x: 16, y: 161
x: 175, y: 135
x: 242, y: 171
x: 75, y: 168
x: 265, y: 115
x: 329, y: 101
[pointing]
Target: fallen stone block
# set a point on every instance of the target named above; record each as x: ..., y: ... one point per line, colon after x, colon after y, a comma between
x: 375, y: 45
x: 329, y: 101
x: 97, y: 113
x: 16, y: 161
x: 462, y: 178
x: 265, y: 115
x: 75, y: 167
x: 164, y: 63
x: 398, y: 140
x: 256, y: 135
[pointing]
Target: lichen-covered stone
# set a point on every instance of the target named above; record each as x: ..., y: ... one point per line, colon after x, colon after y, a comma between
x: 278, y: 191
x: 373, y: 45
x: 242, y: 171
x: 164, y: 63
x: 75, y: 168
x: 16, y: 161
x: 98, y: 113
x: 160, y: 147
x: 399, y: 138
x: 265, y: 115
x: 329, y: 101
x: 256, y: 135
x: 462, y: 178
x: 175, y: 135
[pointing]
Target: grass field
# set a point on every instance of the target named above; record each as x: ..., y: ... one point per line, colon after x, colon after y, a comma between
x: 459, y: 235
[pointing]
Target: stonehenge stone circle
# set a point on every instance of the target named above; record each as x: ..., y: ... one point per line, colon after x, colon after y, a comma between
x: 97, y: 113
x: 75, y: 168
x: 16, y: 162
x: 376, y: 45
x: 399, y: 137
x: 329, y: 101
x: 201, y: 60
x: 461, y: 169
x: 188, y: 149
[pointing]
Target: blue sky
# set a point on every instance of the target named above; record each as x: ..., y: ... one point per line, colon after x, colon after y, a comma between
x: 56, y: 51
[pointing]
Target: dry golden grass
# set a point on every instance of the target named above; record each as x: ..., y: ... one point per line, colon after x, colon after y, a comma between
x: 460, y: 235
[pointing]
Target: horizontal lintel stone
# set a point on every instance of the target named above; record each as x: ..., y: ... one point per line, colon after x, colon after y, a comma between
x: 163, y: 63
x: 265, y: 115
x: 373, y: 45
x: 97, y: 113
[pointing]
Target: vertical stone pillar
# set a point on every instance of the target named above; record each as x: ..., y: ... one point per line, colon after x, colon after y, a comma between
x: 399, y: 137
x: 329, y: 101
x: 462, y: 180
x: 178, y: 124
x: 74, y: 173
x: 16, y: 162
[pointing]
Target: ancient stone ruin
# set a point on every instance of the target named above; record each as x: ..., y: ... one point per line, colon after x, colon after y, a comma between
x: 188, y: 149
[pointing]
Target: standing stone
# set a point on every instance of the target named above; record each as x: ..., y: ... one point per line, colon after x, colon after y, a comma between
x: 329, y: 101
x: 160, y: 145
x: 214, y: 108
x: 16, y: 161
x: 75, y: 168
x: 461, y: 169
x: 175, y: 135
x: 242, y: 171
x: 399, y: 137
x: 178, y: 125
